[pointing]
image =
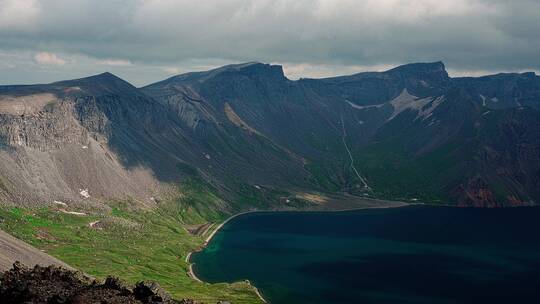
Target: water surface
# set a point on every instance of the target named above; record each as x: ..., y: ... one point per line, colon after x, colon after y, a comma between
x: 398, y: 255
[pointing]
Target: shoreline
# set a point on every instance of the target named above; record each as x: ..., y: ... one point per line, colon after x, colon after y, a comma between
x: 192, y: 274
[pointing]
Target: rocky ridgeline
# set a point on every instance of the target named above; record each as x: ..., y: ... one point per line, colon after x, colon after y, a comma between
x: 470, y: 141
x: 56, y: 285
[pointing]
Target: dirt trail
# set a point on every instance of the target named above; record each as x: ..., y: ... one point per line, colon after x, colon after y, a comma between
x: 13, y: 249
x: 366, y: 186
x: 94, y: 223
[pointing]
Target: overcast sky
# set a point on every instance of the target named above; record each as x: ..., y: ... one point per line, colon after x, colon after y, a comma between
x: 144, y: 41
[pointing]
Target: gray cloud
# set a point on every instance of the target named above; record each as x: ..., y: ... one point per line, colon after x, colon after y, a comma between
x: 146, y: 40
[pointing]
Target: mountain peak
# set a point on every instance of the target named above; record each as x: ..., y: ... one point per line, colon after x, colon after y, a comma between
x: 261, y: 69
x: 103, y: 77
x: 433, y: 72
x: 421, y: 67
x: 100, y: 84
x: 249, y: 69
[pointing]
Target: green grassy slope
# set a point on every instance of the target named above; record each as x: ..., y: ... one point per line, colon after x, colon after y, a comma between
x: 131, y: 244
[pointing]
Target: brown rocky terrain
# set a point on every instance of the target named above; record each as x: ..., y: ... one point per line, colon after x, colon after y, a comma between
x: 56, y: 285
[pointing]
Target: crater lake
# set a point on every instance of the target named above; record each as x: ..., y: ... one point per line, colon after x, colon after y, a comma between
x: 414, y: 254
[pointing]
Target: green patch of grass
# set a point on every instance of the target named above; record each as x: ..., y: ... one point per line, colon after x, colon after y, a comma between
x: 323, y: 176
x: 198, y: 203
x: 134, y: 245
x: 395, y: 174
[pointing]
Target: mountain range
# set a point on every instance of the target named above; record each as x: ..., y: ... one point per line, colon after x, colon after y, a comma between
x: 411, y: 133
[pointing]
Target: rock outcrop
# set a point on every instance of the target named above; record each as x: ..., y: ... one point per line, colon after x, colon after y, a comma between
x: 55, y: 285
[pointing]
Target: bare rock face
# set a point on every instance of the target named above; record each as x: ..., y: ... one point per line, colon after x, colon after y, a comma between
x: 55, y: 142
x: 45, y: 130
x: 412, y: 129
x: 54, y: 285
x: 413, y: 122
x: 95, y: 139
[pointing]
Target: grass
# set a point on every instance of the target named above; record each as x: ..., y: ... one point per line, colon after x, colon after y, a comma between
x: 396, y: 174
x: 134, y: 245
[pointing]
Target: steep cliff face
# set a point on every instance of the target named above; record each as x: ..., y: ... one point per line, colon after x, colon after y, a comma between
x: 56, y: 145
x: 209, y: 106
x: 71, y: 141
x: 411, y: 132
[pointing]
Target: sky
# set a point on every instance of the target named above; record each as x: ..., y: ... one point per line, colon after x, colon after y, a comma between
x: 144, y: 41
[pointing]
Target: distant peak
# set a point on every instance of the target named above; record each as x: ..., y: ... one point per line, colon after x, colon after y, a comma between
x: 239, y: 66
x: 255, y: 67
x: 104, y: 83
x: 249, y: 69
x: 262, y: 69
x: 107, y: 76
x: 437, y: 66
x: 431, y: 71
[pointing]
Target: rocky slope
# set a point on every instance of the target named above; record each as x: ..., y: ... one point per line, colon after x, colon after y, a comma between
x: 57, y: 285
x: 99, y: 138
x: 58, y: 141
x: 13, y: 249
x: 411, y: 132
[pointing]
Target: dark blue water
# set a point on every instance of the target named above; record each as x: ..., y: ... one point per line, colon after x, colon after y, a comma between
x: 401, y: 255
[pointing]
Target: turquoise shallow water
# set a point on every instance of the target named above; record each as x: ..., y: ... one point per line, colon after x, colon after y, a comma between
x: 400, y: 255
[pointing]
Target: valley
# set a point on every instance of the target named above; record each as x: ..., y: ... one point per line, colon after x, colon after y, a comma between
x: 139, y: 244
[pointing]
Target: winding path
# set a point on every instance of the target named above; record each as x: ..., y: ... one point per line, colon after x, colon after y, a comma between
x: 343, y: 138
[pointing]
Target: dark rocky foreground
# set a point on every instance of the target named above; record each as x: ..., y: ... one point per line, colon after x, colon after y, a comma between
x: 55, y: 285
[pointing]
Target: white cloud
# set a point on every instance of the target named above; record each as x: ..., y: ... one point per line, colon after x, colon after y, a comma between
x: 115, y: 62
x: 306, y: 70
x: 312, y: 37
x: 18, y: 14
x: 48, y: 59
x: 171, y: 70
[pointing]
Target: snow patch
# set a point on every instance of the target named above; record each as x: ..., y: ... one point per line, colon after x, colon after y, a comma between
x: 72, y: 212
x: 427, y: 112
x: 483, y: 100
x: 84, y: 193
x: 59, y: 203
x: 93, y: 224
x: 85, y: 147
x: 406, y: 101
x: 20, y: 141
x: 363, y: 107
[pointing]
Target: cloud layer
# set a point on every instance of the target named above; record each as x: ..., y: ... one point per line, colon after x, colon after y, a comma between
x: 145, y: 40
